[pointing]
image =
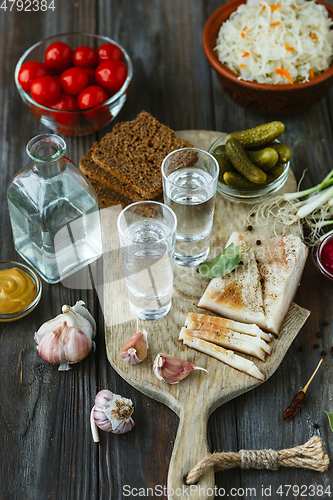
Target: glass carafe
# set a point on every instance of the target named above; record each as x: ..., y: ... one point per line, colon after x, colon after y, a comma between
x: 54, y: 212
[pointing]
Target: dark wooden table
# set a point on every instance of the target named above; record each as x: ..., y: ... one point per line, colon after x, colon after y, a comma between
x: 46, y: 448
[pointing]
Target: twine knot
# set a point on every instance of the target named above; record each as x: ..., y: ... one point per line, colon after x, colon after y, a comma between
x: 259, y: 459
x: 309, y: 456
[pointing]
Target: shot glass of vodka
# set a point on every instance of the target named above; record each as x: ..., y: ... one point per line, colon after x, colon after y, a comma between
x: 147, y: 239
x: 189, y: 185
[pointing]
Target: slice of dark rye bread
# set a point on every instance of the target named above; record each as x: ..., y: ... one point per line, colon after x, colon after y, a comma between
x: 133, y: 153
x: 94, y: 172
x: 107, y: 197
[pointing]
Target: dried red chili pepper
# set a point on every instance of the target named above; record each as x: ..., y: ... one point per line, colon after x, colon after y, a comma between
x: 295, y: 406
x: 299, y: 399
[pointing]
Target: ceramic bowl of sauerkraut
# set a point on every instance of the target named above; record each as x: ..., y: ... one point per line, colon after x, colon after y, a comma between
x: 272, y: 56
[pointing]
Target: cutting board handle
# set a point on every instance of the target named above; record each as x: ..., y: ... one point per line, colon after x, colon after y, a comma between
x: 190, y: 446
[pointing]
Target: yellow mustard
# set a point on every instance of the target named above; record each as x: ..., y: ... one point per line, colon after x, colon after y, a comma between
x: 17, y: 290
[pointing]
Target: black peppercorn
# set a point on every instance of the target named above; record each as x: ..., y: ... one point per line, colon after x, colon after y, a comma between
x: 258, y: 242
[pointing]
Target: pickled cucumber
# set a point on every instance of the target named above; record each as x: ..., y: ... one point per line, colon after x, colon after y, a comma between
x: 235, y: 180
x: 220, y: 150
x: 224, y: 163
x: 259, y: 136
x: 264, y: 158
x: 238, y: 157
x: 276, y: 171
x: 269, y: 179
x: 283, y: 151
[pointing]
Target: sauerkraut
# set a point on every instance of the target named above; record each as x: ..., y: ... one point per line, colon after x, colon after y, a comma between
x: 276, y: 42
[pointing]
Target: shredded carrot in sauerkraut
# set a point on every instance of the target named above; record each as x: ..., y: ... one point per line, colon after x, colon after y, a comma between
x: 302, y: 41
x: 284, y: 72
x: 287, y: 47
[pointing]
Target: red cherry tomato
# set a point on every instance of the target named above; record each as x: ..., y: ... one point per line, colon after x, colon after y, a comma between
x: 45, y: 90
x: 73, y: 80
x: 66, y: 102
x: 91, y: 96
x: 56, y: 76
x: 109, y: 51
x: 84, y: 57
x: 58, y: 56
x: 111, y: 75
x: 29, y: 71
x: 91, y: 76
x: 99, y: 118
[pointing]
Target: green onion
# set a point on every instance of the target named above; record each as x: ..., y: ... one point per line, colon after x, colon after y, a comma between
x: 300, y: 194
x: 309, y: 207
x: 312, y: 206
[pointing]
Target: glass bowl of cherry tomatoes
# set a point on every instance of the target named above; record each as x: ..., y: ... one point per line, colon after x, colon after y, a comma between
x: 74, y: 83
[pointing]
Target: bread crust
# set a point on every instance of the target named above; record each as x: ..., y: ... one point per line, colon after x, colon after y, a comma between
x: 107, y: 197
x: 95, y: 172
x: 133, y: 153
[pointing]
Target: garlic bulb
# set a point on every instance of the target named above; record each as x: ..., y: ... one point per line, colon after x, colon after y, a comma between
x: 135, y: 348
x: 67, y: 338
x: 111, y: 413
x: 171, y: 369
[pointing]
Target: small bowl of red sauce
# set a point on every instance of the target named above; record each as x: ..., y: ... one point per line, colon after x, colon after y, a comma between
x: 325, y: 257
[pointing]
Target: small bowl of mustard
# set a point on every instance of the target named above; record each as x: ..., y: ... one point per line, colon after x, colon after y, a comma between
x: 20, y: 290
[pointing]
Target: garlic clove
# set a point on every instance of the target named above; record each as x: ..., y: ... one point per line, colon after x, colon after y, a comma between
x: 83, y: 312
x: 135, y: 348
x: 111, y: 413
x: 171, y: 369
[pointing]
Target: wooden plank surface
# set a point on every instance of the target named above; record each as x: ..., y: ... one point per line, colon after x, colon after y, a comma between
x: 46, y: 450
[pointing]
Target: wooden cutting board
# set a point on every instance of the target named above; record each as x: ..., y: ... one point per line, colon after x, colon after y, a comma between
x: 197, y: 396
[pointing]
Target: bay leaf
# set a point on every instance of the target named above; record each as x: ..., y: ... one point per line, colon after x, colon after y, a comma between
x: 223, y: 264
x: 330, y: 418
